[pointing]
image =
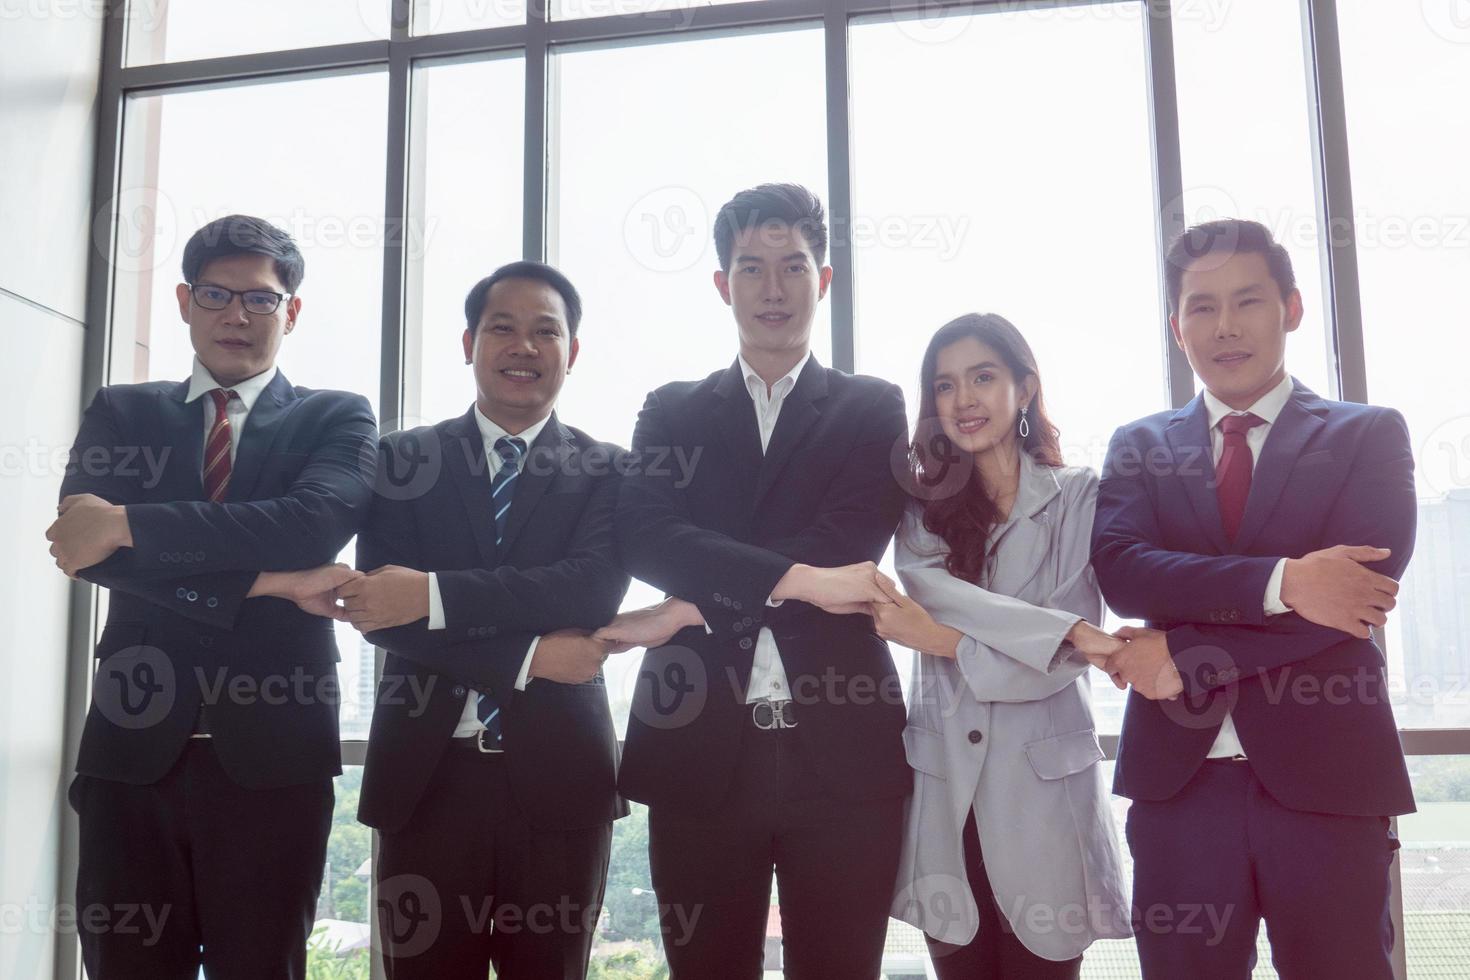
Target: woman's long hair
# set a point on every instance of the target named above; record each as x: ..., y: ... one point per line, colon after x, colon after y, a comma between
x: 962, y: 512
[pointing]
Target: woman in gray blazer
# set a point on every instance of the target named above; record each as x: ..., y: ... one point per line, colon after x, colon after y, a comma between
x: 1010, y: 862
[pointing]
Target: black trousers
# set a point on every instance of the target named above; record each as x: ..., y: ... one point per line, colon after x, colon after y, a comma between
x: 995, y: 953
x: 834, y: 862
x: 1222, y: 854
x: 195, y: 870
x: 468, y: 883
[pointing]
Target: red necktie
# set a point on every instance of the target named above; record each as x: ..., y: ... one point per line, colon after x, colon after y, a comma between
x: 217, y: 448
x: 1233, y: 472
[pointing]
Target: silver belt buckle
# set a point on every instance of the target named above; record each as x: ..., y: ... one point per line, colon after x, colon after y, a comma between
x: 480, y: 743
x: 777, y: 715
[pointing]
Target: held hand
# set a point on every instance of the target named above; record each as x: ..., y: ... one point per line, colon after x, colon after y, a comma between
x: 569, y: 657
x: 1145, y: 663
x: 903, y: 621
x: 832, y: 589
x: 313, y: 589
x: 651, y: 626
x: 1093, y: 644
x: 86, y: 531
x: 386, y: 597
x: 1332, y: 588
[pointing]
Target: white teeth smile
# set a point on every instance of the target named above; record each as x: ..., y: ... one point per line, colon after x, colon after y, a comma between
x: 971, y: 425
x: 520, y: 374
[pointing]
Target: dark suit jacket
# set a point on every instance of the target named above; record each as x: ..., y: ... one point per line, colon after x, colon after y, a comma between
x: 825, y: 493
x: 555, y: 569
x: 1310, y: 704
x: 179, y: 630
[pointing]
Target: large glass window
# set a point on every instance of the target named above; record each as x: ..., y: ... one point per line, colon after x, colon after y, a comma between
x: 189, y: 157
x: 1245, y: 146
x: 1049, y: 225
x: 465, y: 177
x: 184, y: 30
x: 1405, y: 72
x: 633, y: 204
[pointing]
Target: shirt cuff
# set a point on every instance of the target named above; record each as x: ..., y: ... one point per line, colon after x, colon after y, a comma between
x: 1274, y: 605
x: 773, y: 603
x: 436, y: 604
x: 524, y: 677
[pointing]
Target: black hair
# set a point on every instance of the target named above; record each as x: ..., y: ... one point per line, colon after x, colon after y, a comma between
x: 787, y: 204
x: 474, y: 303
x: 240, y: 234
x: 1227, y: 236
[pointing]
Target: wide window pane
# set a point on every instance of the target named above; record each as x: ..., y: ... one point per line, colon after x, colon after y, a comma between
x: 183, y: 30
x: 1245, y: 143
x: 444, y: 16
x: 633, y: 202
x: 465, y: 179
x: 176, y: 177
x: 986, y: 210
x: 578, y: 9
x: 1406, y: 72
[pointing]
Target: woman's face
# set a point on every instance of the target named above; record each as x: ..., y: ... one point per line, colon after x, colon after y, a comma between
x: 976, y: 396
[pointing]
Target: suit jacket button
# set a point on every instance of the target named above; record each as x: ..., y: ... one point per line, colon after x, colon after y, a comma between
x: 193, y: 596
x: 206, y: 641
x: 211, y: 602
x: 975, y: 736
x: 182, y: 593
x: 163, y: 556
x: 458, y: 691
x: 489, y: 630
x: 737, y: 604
x: 199, y: 555
x: 737, y: 627
x: 176, y: 556
x: 745, y: 643
x: 717, y: 597
x: 727, y: 601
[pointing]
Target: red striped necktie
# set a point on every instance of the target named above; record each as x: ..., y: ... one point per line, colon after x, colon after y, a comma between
x: 217, y: 448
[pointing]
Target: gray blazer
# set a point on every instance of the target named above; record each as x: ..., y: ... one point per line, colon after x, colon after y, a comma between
x: 1006, y: 728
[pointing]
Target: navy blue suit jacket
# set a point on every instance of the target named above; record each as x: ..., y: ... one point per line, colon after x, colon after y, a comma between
x: 1310, y: 704
x: 180, y: 631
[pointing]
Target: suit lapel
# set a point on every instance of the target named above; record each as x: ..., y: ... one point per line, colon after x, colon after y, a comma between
x: 544, y: 459
x: 798, y: 413
x: 1189, y: 438
x: 1299, y: 421
x: 734, y: 416
x: 262, y: 425
x: 464, y: 459
x: 181, y: 432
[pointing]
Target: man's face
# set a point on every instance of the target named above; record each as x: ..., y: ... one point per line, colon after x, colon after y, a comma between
x: 522, y: 350
x: 233, y: 343
x: 773, y: 287
x: 1232, y: 324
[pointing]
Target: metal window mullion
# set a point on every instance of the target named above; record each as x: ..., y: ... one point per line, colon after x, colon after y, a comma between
x: 1335, y: 197
x: 842, y: 292
x: 535, y: 203
x: 1168, y: 176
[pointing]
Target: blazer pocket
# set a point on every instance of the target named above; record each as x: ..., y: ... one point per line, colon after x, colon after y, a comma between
x: 1062, y: 755
x: 924, y: 749
x: 1315, y: 459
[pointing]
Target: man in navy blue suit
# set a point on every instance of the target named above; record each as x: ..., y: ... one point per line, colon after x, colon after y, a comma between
x: 211, y: 509
x: 1260, y: 531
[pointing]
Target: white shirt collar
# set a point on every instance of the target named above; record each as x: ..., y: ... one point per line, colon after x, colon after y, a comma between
x: 491, y: 432
x: 778, y: 390
x: 1267, y: 407
x: 201, y: 382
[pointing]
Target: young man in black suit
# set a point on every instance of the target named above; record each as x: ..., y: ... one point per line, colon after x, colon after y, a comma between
x: 491, y: 767
x: 209, y: 508
x: 768, y: 737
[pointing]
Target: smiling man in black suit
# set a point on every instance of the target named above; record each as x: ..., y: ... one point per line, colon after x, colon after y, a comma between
x: 768, y: 739
x: 491, y: 767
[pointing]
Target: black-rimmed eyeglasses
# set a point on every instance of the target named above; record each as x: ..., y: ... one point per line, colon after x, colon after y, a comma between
x: 258, y: 301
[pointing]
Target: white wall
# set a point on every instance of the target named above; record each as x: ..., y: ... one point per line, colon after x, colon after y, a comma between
x: 49, y: 66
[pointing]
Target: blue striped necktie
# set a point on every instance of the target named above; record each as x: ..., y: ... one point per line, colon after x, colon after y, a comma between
x: 502, y: 490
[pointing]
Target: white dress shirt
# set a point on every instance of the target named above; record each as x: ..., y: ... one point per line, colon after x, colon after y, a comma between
x: 469, y: 719
x: 1268, y: 407
x: 237, y: 409
x: 767, y: 673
